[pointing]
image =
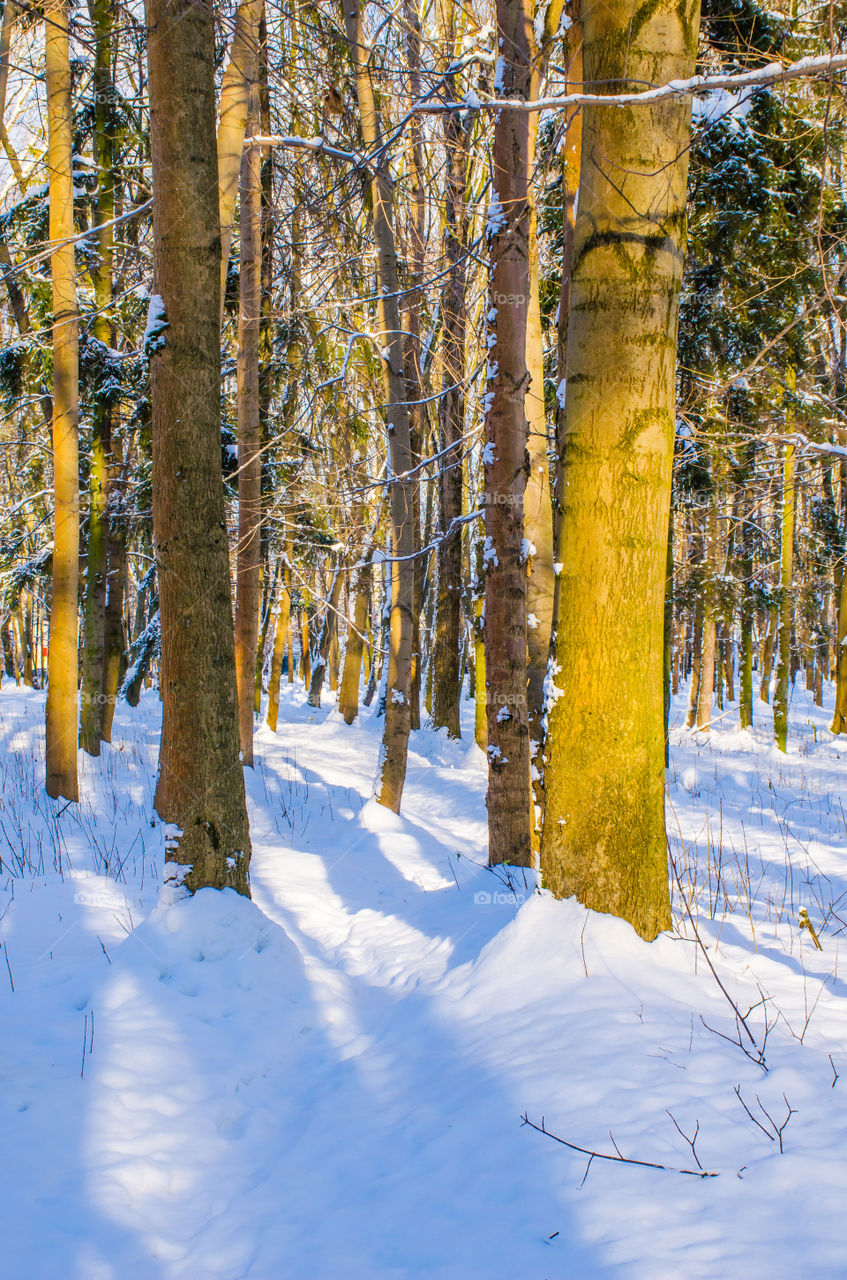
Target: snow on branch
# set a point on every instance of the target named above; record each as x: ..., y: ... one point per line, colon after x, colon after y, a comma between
x: 760, y: 78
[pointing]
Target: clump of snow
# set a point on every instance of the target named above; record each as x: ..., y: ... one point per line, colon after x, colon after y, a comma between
x: 157, y: 323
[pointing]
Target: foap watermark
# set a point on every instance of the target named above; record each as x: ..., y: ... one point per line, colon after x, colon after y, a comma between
x: 502, y: 897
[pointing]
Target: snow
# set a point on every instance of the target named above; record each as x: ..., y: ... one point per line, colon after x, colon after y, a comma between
x: 327, y: 1083
x: 157, y: 323
x: 496, y: 218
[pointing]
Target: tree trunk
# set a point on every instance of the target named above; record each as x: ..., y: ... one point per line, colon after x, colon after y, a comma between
x: 395, y: 743
x: 604, y: 832
x: 445, y: 656
x: 62, y: 729
x: 538, y: 503
x: 783, y: 638
x: 248, y: 561
x: 94, y: 642
x: 200, y: 789
x: 283, y: 619
x: 348, y: 696
x: 667, y: 647
x: 506, y: 459
x: 768, y: 646
x: 707, y: 670
x: 240, y: 76
x: 329, y: 629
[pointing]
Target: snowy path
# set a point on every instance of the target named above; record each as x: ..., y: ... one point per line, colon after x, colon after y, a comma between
x: 328, y: 1082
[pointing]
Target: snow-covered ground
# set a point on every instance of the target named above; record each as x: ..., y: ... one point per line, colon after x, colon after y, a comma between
x: 328, y: 1082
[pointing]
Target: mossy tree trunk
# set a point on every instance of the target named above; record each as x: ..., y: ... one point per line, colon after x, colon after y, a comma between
x: 604, y: 833
x: 94, y: 634
x: 62, y: 728
x: 200, y: 789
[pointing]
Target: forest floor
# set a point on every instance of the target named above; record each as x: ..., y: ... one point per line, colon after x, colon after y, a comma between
x: 328, y: 1082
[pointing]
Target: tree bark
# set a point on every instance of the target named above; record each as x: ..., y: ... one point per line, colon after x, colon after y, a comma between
x: 395, y: 743
x: 200, y: 789
x: 329, y: 629
x: 783, y: 636
x: 62, y: 729
x: 283, y: 620
x: 604, y: 832
x: 93, y: 690
x: 538, y: 503
x: 506, y: 460
x: 248, y: 556
x: 445, y: 656
x: 239, y: 78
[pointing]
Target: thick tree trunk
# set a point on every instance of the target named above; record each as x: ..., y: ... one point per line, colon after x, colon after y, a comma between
x: 506, y: 460
x: 62, y: 728
x: 395, y: 743
x: 248, y: 561
x: 200, y: 789
x: 604, y: 832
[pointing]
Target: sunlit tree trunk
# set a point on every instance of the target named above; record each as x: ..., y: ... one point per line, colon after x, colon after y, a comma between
x: 281, y: 639
x: 395, y: 743
x: 62, y: 730
x: 604, y: 831
x: 239, y: 77
x: 783, y: 636
x: 247, y: 582
x: 200, y: 789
